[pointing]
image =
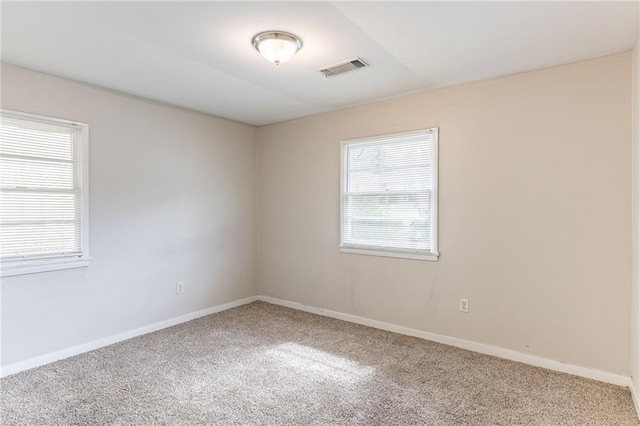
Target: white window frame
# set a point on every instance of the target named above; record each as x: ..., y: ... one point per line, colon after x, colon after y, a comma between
x: 432, y: 254
x: 45, y: 263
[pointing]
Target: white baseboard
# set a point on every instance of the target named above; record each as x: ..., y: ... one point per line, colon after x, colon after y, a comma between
x: 512, y: 355
x: 509, y: 354
x: 106, y: 341
x: 635, y: 395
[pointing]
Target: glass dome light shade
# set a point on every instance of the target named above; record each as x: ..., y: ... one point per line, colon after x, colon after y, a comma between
x: 277, y: 46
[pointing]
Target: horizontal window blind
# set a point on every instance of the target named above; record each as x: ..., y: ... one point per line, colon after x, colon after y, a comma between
x: 388, y: 191
x: 40, y: 188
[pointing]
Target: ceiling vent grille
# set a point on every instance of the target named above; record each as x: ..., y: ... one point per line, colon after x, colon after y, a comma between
x: 342, y: 67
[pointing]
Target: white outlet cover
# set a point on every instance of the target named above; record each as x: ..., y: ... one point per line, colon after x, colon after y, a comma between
x: 464, y: 305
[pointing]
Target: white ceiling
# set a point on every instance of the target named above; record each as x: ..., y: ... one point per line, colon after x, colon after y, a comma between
x: 199, y: 55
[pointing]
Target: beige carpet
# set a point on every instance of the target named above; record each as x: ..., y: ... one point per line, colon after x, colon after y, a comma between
x: 262, y: 364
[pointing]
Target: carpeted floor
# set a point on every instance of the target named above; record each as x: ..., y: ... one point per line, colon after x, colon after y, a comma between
x: 265, y: 364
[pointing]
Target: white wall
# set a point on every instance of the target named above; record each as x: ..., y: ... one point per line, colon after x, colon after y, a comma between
x: 172, y: 198
x: 535, y: 214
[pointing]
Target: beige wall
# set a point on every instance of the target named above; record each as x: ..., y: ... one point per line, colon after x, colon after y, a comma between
x: 172, y: 198
x: 535, y: 214
x: 635, y: 292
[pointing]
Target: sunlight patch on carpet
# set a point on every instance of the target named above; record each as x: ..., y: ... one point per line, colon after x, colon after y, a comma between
x: 310, y: 360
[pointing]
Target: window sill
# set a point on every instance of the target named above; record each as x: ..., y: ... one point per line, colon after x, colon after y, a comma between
x: 34, y: 267
x: 433, y: 257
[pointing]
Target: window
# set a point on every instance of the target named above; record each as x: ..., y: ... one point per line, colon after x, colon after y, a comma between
x: 43, y: 194
x: 389, y: 195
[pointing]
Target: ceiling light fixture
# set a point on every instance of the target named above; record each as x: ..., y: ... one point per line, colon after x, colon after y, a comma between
x: 276, y: 46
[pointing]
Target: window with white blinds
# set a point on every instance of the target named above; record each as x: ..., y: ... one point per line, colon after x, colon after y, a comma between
x: 389, y: 195
x: 43, y: 193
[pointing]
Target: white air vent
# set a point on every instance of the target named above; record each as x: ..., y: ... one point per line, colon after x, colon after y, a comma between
x: 343, y: 67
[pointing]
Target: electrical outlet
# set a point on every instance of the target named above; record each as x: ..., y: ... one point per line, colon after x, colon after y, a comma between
x: 464, y: 305
x: 180, y: 287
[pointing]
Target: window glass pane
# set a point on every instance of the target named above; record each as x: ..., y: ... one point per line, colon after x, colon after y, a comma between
x: 40, y: 198
x: 395, y: 166
x: 21, y: 137
x: 402, y: 153
x: 29, y: 173
x: 39, y: 238
x: 388, y: 192
x: 38, y: 206
x: 398, y: 220
x: 415, y: 178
